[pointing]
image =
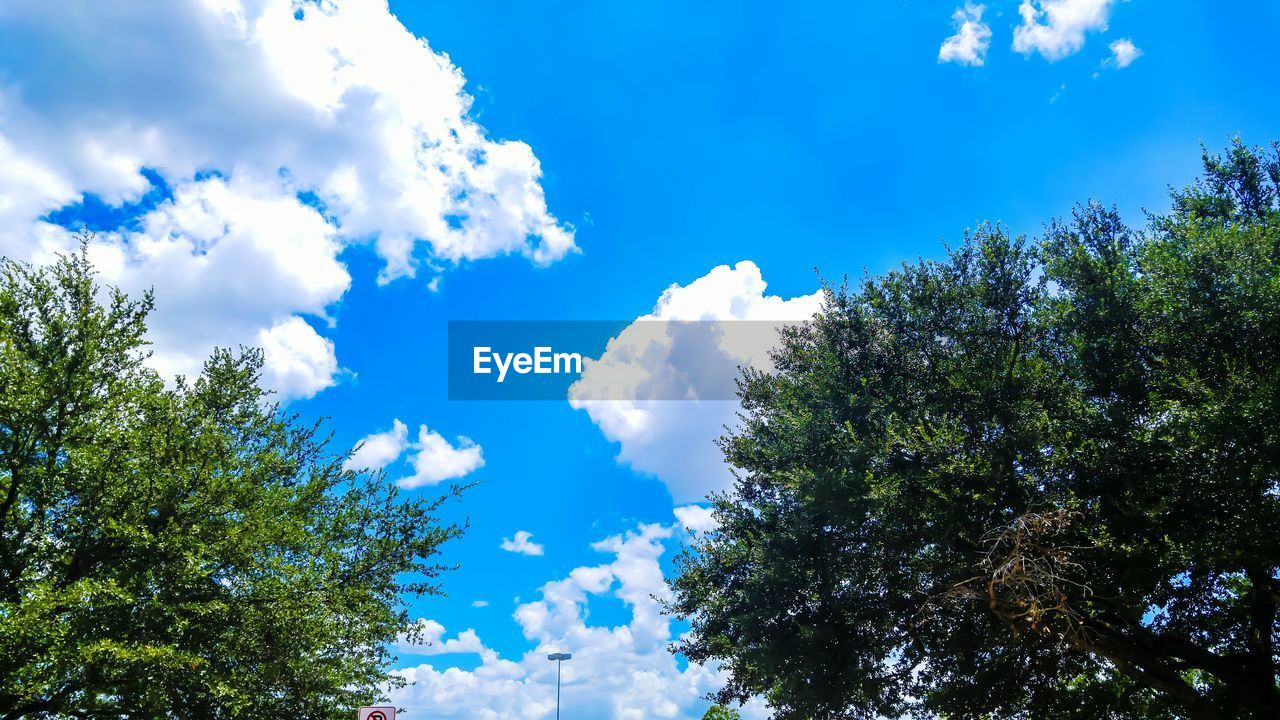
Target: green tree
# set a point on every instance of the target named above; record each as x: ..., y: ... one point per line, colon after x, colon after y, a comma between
x: 181, y: 552
x: 1030, y: 480
x: 719, y: 712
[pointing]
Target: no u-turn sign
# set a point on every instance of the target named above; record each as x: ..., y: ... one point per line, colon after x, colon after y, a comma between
x: 377, y: 713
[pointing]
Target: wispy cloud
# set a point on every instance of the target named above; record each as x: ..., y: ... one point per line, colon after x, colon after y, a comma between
x: 968, y: 46
x: 1124, y: 52
x: 1057, y: 28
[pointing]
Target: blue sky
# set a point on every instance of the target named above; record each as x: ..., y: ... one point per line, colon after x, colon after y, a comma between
x: 670, y: 139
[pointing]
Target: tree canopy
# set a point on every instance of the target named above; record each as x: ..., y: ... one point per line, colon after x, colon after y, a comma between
x: 186, y: 551
x: 1029, y: 480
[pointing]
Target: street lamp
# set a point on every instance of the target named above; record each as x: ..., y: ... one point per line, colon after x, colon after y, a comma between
x: 559, y: 658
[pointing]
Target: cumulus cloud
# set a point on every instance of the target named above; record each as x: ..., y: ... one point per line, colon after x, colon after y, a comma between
x: 522, y: 544
x: 233, y: 262
x: 1124, y: 52
x: 244, y: 144
x: 297, y: 362
x: 426, y: 637
x: 432, y: 458
x: 436, y: 460
x: 617, y: 673
x: 696, y: 518
x: 479, y: 603
x: 379, y: 450
x: 1057, y: 28
x: 968, y: 46
x: 662, y: 388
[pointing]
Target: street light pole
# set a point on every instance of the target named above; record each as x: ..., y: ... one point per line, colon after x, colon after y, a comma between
x: 559, y: 658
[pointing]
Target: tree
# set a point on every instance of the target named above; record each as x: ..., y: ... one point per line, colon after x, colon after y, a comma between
x: 1029, y: 480
x: 189, y: 551
x: 719, y: 712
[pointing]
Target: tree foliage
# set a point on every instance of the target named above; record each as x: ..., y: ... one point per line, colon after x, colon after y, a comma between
x: 1035, y: 480
x: 719, y: 712
x: 188, y: 551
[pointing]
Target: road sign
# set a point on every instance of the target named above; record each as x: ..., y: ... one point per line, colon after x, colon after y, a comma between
x: 378, y: 712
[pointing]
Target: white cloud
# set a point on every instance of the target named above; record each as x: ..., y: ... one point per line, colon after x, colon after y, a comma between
x: 1057, y: 28
x: 297, y: 361
x: 617, y: 673
x: 968, y: 46
x: 233, y: 262
x: 522, y: 544
x: 1124, y: 52
x: 285, y: 132
x: 432, y: 457
x: 479, y: 603
x: 628, y: 391
x: 426, y: 637
x: 436, y: 460
x: 379, y: 450
x: 696, y: 518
